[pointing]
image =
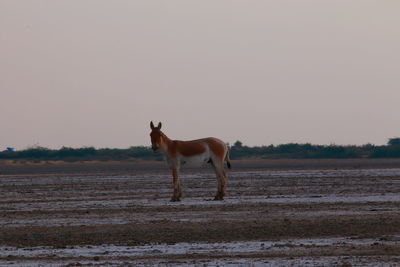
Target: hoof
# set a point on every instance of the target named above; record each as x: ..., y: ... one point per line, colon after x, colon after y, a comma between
x: 218, y: 198
x: 175, y: 199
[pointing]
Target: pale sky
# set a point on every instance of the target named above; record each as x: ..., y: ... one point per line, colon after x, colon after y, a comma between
x: 95, y: 72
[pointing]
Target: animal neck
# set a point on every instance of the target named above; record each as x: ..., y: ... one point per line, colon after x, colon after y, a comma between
x: 166, y: 142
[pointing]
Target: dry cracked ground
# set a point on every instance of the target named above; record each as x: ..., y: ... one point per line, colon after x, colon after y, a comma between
x: 276, y: 213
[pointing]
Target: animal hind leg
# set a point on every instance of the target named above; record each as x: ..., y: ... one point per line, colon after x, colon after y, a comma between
x: 221, y: 178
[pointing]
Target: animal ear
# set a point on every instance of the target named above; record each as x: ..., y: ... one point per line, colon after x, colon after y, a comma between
x: 159, y: 126
x: 152, y: 125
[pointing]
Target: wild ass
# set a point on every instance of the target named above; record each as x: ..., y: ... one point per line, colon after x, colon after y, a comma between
x: 177, y: 153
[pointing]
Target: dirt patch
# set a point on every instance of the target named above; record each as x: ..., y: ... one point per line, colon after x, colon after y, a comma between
x: 223, y: 230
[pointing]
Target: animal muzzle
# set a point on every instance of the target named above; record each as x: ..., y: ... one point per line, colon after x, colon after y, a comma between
x: 155, y: 148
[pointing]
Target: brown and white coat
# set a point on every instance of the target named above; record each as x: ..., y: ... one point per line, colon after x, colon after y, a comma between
x: 177, y: 153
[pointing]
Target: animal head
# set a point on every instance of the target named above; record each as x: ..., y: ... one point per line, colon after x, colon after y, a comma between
x: 156, y: 137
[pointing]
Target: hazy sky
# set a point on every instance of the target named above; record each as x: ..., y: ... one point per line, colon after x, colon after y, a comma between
x: 94, y: 73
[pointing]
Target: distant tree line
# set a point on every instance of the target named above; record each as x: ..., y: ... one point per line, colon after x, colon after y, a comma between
x: 84, y: 153
x: 309, y: 151
x: 237, y: 151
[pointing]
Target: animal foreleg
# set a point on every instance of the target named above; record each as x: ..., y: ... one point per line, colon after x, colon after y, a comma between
x: 177, y: 187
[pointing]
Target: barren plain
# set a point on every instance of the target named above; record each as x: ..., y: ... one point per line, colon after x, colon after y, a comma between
x: 276, y: 213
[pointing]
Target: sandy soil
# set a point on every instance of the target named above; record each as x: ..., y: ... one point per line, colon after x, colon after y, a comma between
x: 276, y: 213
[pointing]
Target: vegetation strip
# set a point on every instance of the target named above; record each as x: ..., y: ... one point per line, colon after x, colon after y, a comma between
x: 237, y: 151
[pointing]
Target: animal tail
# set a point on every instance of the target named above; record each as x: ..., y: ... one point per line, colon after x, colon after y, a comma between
x: 227, y: 159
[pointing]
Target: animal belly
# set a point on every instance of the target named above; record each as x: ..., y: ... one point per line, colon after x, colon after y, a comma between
x: 194, y: 161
